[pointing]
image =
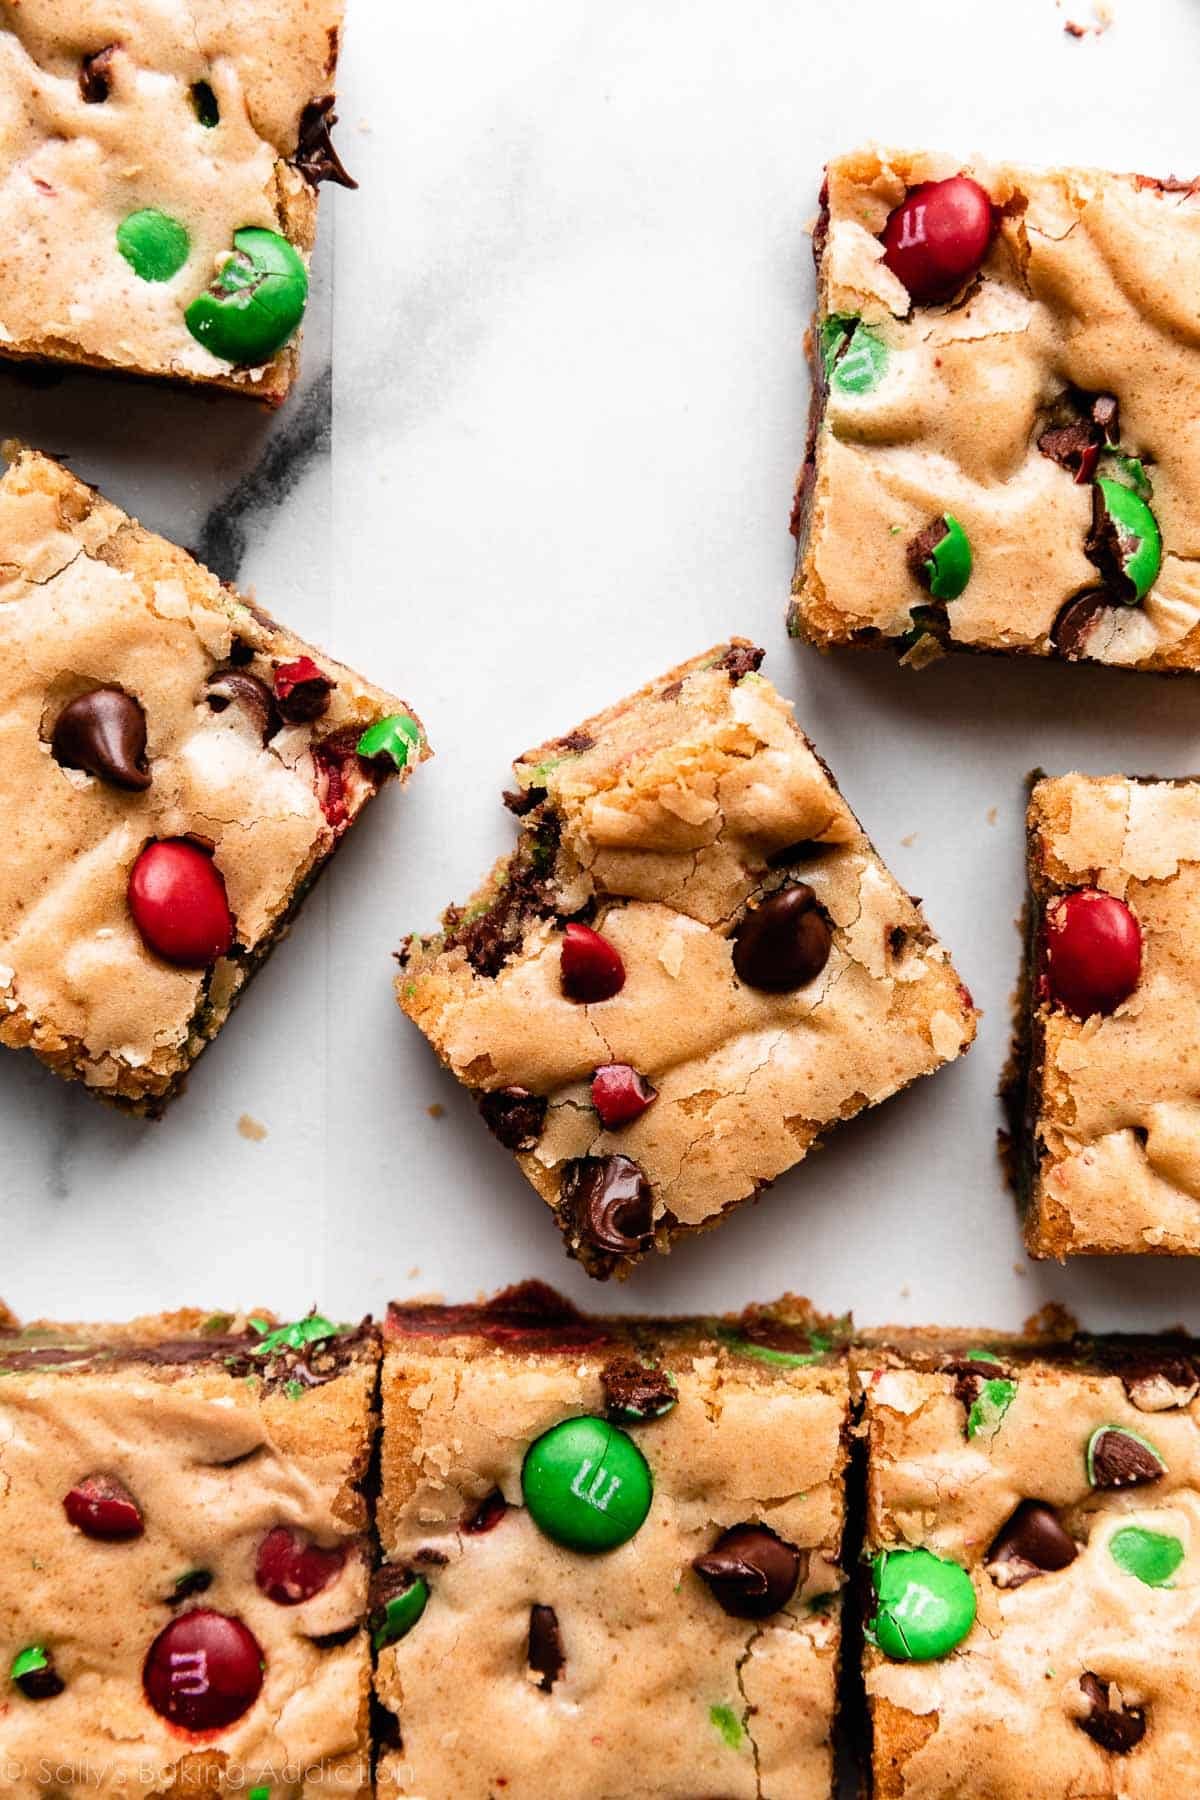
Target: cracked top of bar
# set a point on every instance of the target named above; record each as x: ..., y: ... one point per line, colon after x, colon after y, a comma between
x: 665, y: 823
x: 926, y: 410
x: 90, y: 600
x: 143, y: 1467
x: 646, y: 1670
x: 1064, y: 1478
x: 197, y: 110
x: 1112, y: 1119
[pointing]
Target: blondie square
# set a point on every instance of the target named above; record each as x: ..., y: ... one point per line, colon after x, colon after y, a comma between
x: 693, y: 965
x: 611, y: 1553
x: 175, y: 771
x: 1001, y: 453
x: 1105, y: 1102
x: 159, y: 162
x: 1033, y: 1567
x: 185, y: 1576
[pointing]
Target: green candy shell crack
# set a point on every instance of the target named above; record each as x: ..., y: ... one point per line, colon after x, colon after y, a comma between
x: 925, y: 1605
x: 256, y: 301
x: 310, y: 1330
x: 587, y: 1485
x: 398, y: 1614
x: 987, y: 1411
x: 398, y: 737
x: 30, y: 1661
x: 853, y: 357
x: 948, y: 565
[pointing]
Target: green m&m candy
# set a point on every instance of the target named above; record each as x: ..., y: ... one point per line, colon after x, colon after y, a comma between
x: 397, y: 737
x: 256, y: 302
x: 940, y: 557
x: 586, y: 1484
x: 1150, y: 1556
x: 853, y: 356
x: 397, y: 1611
x: 925, y: 1605
x: 1125, y: 542
x: 154, y: 244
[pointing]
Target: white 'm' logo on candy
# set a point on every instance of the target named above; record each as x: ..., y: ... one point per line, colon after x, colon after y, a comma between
x: 189, y: 1672
x: 596, y: 1495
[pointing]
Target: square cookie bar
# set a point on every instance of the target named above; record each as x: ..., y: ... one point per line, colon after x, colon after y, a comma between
x: 1104, y: 1095
x: 1032, y: 1568
x: 611, y: 1553
x: 158, y: 171
x: 691, y: 967
x: 175, y: 771
x: 1001, y: 455
x: 185, y: 1577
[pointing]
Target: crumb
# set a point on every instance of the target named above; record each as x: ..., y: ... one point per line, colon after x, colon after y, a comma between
x: 414, y: 1272
x: 1021, y: 1270
x: 905, y: 1291
x: 436, y: 1111
x: 1051, y: 1321
x: 1102, y: 18
x: 809, y: 226
x: 992, y: 814
x: 909, y: 841
x: 254, y: 1129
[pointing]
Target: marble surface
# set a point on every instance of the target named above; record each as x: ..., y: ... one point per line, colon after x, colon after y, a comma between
x: 568, y: 399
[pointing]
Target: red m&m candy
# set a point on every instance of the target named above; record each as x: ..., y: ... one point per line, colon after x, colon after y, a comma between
x: 1092, y: 952
x: 938, y: 236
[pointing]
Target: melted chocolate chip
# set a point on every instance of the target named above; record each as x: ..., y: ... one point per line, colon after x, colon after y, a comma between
x: 1120, y: 1460
x: 1083, y: 425
x: 1071, y: 446
x: 104, y: 733
x: 491, y: 938
x: 608, y: 1204
x: 1116, y: 1728
x: 315, y: 156
x: 302, y: 691
x: 520, y: 801
x: 740, y: 660
x: 486, y: 1516
x: 970, y: 1373
x: 751, y: 1571
x: 95, y: 75
x: 546, y: 1656
x: 530, y: 1314
x: 919, y: 550
x: 1160, y: 1383
x: 1073, y: 626
x: 1032, y: 1543
x: 234, y: 687
x: 514, y: 1116
x: 783, y: 943
x: 634, y: 1390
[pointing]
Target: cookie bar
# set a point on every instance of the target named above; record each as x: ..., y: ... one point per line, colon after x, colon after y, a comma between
x: 158, y: 198
x: 1033, y: 1568
x: 176, y: 770
x: 1000, y: 456
x: 1107, y: 1123
x: 693, y: 964
x: 611, y: 1553
x: 184, y: 1584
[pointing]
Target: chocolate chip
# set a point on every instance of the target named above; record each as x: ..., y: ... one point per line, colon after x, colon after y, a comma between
x: 315, y: 156
x: 546, y: 1656
x: 234, y: 687
x: 1073, y: 447
x: 514, y: 1115
x: 751, y: 1571
x: 608, y: 1204
x: 95, y: 75
x: 1073, y: 626
x: 1161, y: 1383
x: 970, y: 1373
x: 739, y: 660
x: 487, y: 1515
x: 1120, y: 1459
x: 1116, y: 1728
x: 523, y: 800
x: 783, y: 943
x: 574, y: 744
x: 1032, y: 1543
x: 919, y: 550
x: 634, y: 1390
x: 104, y: 733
